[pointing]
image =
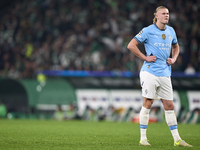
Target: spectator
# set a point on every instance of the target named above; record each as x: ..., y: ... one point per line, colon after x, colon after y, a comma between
x: 59, y: 114
x: 3, y: 110
x: 70, y: 112
x: 190, y: 69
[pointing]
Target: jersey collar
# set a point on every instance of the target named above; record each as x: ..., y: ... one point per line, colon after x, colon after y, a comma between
x: 159, y: 28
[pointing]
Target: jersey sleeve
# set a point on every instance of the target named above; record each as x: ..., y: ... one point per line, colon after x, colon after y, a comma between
x: 141, y: 36
x: 174, y: 40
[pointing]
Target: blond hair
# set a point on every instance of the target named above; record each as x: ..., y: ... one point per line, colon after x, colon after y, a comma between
x: 160, y: 7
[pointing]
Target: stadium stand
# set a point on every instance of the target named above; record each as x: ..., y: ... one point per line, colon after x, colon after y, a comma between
x: 88, y: 34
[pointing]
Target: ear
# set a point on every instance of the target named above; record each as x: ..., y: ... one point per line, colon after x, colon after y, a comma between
x: 156, y: 15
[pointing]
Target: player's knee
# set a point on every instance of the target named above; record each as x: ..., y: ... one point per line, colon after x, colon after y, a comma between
x: 147, y: 103
x: 169, y: 106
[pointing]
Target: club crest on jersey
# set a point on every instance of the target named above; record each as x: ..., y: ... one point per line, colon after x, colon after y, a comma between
x: 163, y: 36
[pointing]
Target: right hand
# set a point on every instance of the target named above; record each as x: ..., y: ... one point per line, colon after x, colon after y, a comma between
x: 151, y: 59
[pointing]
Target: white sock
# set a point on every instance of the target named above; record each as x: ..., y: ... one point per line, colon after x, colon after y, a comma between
x: 143, y: 134
x: 144, y: 120
x: 172, y: 123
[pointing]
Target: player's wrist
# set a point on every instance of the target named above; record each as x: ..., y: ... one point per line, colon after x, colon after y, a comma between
x: 174, y: 59
x: 145, y: 58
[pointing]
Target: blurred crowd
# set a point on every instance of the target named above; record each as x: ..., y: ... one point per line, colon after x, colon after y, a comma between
x: 121, y: 114
x: 111, y: 114
x: 89, y: 35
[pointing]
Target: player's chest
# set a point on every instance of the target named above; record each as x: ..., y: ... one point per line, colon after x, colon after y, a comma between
x: 161, y: 37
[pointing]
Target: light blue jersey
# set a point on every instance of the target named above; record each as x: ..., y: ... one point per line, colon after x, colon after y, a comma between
x: 158, y: 43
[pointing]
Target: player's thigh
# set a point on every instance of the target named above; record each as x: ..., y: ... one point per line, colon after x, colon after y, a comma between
x: 165, y: 89
x: 148, y: 84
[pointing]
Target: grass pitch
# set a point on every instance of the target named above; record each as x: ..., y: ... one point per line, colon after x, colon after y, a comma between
x: 83, y: 135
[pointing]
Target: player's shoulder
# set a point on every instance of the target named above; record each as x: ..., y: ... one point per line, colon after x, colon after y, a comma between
x: 148, y: 28
x: 170, y: 28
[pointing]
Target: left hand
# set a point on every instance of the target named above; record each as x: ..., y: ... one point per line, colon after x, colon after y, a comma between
x: 170, y: 61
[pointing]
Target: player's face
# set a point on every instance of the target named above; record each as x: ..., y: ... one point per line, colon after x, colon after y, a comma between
x: 163, y: 16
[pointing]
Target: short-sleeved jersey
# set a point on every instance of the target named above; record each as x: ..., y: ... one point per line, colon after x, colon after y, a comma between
x: 158, y: 43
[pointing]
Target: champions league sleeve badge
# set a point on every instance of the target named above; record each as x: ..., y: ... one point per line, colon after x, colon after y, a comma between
x: 163, y: 36
x: 139, y: 34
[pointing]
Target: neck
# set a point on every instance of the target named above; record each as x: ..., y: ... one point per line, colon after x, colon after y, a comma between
x: 161, y: 26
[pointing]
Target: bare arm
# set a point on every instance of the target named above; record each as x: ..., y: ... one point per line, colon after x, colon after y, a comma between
x: 175, y: 53
x: 132, y: 46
